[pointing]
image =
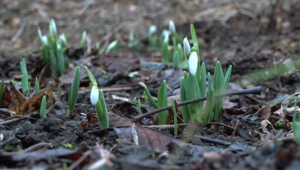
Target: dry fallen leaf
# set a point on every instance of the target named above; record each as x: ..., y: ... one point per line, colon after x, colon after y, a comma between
x: 20, y: 105
x: 152, y: 139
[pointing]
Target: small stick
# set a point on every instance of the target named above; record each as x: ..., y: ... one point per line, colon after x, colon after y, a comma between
x: 255, y: 90
x: 215, y: 141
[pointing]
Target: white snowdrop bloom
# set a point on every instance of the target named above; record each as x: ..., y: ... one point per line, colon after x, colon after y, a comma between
x: 193, y: 63
x: 45, y: 40
x: 172, y: 28
x: 186, y: 47
x: 63, y: 39
x: 152, y: 29
x: 94, y: 94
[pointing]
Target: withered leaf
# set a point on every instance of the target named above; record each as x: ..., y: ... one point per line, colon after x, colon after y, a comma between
x: 6, y: 98
x: 150, y: 138
x: 20, y: 105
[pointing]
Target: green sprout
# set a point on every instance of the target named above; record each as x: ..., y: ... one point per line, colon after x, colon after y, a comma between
x: 69, y: 146
x: 113, y: 48
x: 220, y: 85
x: 25, y: 83
x: 162, y: 101
x: 36, y: 86
x: 152, y: 37
x: 43, y: 108
x: 97, y: 46
x: 83, y: 39
x: 133, y: 41
x: 73, y: 94
x: 193, y: 86
x: 166, y: 52
x: 53, y: 49
x: 99, y: 101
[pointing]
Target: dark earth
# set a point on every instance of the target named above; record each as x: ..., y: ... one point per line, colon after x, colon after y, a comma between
x: 260, y: 39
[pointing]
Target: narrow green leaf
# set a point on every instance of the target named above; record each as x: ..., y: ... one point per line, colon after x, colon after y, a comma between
x: 113, y: 46
x: 105, y: 118
x: 43, y: 108
x: 202, y: 83
x: 162, y: 102
x: 218, y: 78
x: 166, y: 54
x: 193, y: 92
x: 83, y: 39
x: 36, y: 86
x: 207, y: 115
x: 176, y: 59
x: 90, y: 74
x: 181, y: 54
x: 60, y: 60
x: 227, y: 77
x: 194, y: 36
x: 150, y: 99
x: 73, y: 94
x: 185, y: 112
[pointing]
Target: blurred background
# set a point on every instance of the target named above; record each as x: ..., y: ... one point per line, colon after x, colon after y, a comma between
x: 106, y: 20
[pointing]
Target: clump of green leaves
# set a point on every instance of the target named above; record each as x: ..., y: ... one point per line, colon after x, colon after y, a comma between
x: 193, y: 86
x: 172, y: 53
x: 73, y: 93
x: 99, y: 101
x: 53, y: 49
x: 162, y: 101
x: 152, y: 37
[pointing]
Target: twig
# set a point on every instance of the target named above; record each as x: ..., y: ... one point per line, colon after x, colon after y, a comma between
x: 41, y: 12
x: 215, y: 141
x: 235, y: 127
x: 19, y: 32
x: 255, y: 90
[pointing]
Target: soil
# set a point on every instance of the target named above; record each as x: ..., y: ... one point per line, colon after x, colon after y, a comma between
x: 261, y: 40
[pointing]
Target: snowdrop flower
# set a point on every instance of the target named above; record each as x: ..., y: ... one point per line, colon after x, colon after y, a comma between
x: 152, y: 29
x: 94, y: 94
x: 45, y: 40
x: 166, y: 34
x: 52, y: 28
x: 63, y: 39
x: 172, y: 28
x: 193, y: 63
x: 186, y: 47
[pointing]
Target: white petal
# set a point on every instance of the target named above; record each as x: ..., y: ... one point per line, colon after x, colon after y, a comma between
x: 45, y: 40
x: 94, y: 95
x: 152, y: 29
x: 172, y: 28
x: 186, y: 47
x: 193, y: 63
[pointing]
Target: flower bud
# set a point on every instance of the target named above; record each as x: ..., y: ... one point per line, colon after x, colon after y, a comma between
x: 172, y: 28
x: 152, y: 30
x: 94, y: 94
x: 44, y: 40
x: 186, y: 47
x: 63, y: 39
x: 193, y: 63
